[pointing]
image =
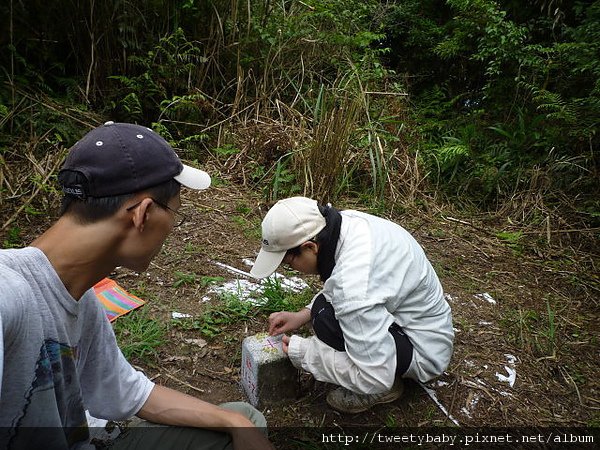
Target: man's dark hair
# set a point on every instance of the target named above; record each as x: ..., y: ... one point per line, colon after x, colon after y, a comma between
x: 94, y: 209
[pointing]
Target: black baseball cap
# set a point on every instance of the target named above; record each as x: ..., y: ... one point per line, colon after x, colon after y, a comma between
x: 123, y: 158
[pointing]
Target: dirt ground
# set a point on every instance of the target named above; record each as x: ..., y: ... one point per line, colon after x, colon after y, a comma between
x: 496, y: 333
x: 526, y: 321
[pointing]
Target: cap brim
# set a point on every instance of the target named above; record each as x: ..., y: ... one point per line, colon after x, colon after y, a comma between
x: 266, y: 263
x: 193, y: 178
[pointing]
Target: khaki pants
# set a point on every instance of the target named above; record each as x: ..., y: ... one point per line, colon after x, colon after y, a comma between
x: 151, y: 436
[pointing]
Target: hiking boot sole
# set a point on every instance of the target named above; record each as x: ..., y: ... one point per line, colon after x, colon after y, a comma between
x: 391, y: 397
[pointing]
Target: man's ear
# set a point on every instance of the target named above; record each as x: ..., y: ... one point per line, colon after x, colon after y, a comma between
x: 141, y: 214
x: 311, y: 246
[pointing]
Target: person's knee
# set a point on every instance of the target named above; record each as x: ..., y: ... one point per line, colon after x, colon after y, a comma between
x: 253, y: 414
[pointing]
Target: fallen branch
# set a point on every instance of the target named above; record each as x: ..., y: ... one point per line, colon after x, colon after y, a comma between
x: 463, y: 222
x: 386, y: 93
x: 168, y: 375
x: 433, y: 397
x: 573, y: 230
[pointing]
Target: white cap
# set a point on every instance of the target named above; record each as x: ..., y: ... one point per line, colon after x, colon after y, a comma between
x: 288, y: 224
x: 193, y: 178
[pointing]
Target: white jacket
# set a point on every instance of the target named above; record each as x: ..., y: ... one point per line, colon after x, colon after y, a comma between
x: 381, y: 275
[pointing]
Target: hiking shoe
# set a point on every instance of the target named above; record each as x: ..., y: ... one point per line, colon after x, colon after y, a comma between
x: 347, y: 401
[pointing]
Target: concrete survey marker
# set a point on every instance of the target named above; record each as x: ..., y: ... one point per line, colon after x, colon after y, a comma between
x: 267, y: 375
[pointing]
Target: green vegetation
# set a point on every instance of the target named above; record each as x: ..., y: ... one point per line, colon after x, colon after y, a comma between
x: 276, y: 298
x: 489, y: 103
x: 13, y: 238
x: 512, y: 240
x: 138, y: 335
x: 231, y: 309
x: 228, y: 310
x: 533, y: 331
x: 182, y: 278
x: 488, y: 107
x: 208, y: 280
x: 249, y: 226
x: 595, y: 421
x: 521, y: 325
x: 390, y: 421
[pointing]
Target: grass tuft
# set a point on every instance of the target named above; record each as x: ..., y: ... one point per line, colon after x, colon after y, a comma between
x: 138, y: 335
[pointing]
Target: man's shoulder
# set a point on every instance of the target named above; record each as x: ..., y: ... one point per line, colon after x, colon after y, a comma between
x: 22, y: 260
x: 12, y: 280
x: 11, y: 257
x: 14, y: 292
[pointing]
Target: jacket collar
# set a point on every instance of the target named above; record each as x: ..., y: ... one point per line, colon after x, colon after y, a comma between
x: 327, y: 246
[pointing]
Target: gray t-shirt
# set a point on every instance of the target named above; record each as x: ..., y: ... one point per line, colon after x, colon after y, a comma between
x: 58, y: 358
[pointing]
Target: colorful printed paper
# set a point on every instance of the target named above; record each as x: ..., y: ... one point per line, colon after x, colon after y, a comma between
x: 116, y: 300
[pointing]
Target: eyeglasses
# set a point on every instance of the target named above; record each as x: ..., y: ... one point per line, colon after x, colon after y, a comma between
x: 179, y: 217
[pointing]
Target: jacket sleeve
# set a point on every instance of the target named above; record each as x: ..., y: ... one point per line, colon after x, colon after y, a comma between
x: 368, y: 365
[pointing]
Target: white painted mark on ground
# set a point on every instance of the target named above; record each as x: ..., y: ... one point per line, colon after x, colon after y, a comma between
x: 485, y: 296
x: 433, y: 397
x: 510, y: 379
x: 233, y: 269
x: 243, y: 289
x: 251, y: 290
x: 472, y: 401
x: 512, y: 373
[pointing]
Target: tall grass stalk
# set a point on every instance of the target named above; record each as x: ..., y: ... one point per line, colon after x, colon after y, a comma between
x: 551, y: 332
x: 329, y: 151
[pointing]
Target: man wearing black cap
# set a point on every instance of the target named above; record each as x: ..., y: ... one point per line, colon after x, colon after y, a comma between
x: 58, y: 353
